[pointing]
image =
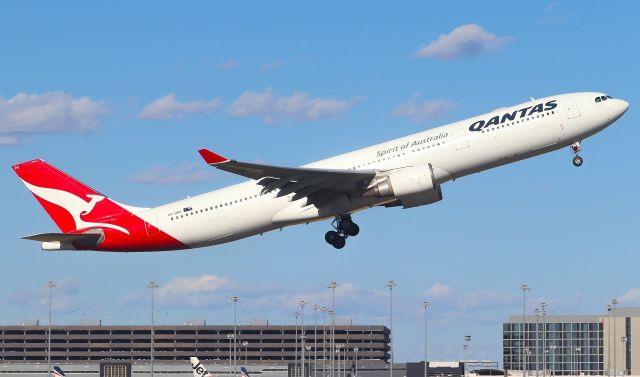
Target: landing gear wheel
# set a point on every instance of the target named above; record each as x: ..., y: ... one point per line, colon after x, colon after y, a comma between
x: 576, y: 148
x: 577, y: 161
x: 344, y: 228
x: 339, y: 242
x: 350, y: 228
x: 331, y: 237
x: 334, y: 239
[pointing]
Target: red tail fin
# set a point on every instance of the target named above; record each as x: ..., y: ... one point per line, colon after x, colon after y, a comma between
x: 70, y: 203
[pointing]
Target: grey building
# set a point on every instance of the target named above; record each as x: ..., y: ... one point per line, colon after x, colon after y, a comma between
x: 575, y: 344
x: 265, y: 345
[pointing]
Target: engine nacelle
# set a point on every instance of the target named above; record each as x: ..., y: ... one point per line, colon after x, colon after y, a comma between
x: 413, y: 186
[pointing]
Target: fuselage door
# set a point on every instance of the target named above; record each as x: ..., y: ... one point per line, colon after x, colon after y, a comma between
x: 571, y: 107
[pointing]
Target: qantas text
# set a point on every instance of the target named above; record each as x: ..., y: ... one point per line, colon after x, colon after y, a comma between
x: 525, y: 111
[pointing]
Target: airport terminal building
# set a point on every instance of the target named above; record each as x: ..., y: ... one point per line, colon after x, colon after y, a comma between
x: 575, y: 344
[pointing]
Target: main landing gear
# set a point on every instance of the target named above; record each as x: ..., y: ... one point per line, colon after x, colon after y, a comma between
x: 575, y: 148
x: 344, y: 228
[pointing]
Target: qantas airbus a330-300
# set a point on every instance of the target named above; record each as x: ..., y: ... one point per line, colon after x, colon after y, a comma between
x: 405, y: 172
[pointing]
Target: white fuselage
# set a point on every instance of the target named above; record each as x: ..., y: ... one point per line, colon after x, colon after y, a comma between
x: 453, y: 150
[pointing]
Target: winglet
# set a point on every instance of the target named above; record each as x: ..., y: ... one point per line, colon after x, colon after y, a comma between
x: 212, y: 158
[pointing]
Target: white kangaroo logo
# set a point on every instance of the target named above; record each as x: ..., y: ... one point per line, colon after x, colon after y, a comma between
x: 74, y: 205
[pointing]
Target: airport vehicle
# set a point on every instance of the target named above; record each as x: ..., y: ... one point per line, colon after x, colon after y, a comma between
x: 405, y: 172
x: 57, y: 372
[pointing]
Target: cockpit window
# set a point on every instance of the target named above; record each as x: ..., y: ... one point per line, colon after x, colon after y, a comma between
x: 603, y: 98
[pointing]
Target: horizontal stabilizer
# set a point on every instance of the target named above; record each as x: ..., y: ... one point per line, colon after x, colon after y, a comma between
x: 67, y: 241
x: 64, y: 237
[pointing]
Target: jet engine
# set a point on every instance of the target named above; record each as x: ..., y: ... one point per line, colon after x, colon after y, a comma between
x: 413, y: 186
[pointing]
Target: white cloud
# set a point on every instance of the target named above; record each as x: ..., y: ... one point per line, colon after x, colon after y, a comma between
x: 632, y: 296
x: 465, y: 40
x: 204, y: 291
x: 9, y: 140
x: 420, y: 111
x: 64, y: 296
x: 47, y: 112
x: 167, y: 107
x: 272, y: 107
x: 273, y: 65
x: 183, y: 174
x: 213, y: 292
x: 194, y: 291
x: 439, y: 290
x: 549, y: 7
x: 227, y: 64
x: 252, y: 104
x: 484, y: 298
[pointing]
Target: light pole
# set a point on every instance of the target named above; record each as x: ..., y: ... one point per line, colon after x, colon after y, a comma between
x: 332, y: 337
x: 537, y: 344
x: 315, y: 339
x: 614, y: 302
x: 235, y: 300
x: 609, y: 307
x: 577, y: 358
x: 425, y: 305
x: 355, y: 371
x: 524, y: 288
x: 331, y: 350
x: 324, y: 340
x: 152, y: 285
x: 390, y: 284
x: 338, y: 351
x: 230, y: 337
x: 50, y: 285
x: 553, y: 359
x: 543, y: 311
x: 467, y: 339
x: 302, y: 304
x: 295, y: 351
x: 623, y: 339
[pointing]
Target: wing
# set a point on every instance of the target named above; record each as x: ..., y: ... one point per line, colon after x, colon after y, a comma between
x: 317, y: 185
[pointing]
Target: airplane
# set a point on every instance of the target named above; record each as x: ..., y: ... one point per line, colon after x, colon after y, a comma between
x: 57, y: 372
x: 406, y: 172
x: 200, y: 371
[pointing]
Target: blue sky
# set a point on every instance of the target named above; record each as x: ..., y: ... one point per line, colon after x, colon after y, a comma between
x: 122, y: 95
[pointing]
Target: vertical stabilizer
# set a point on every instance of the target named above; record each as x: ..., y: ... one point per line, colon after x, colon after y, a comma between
x: 70, y: 203
x: 198, y: 369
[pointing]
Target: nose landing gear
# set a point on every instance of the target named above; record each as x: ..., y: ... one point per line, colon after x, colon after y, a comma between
x: 344, y: 228
x: 575, y: 148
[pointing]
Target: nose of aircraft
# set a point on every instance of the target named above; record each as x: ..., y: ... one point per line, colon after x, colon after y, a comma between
x: 625, y: 106
x: 621, y: 107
